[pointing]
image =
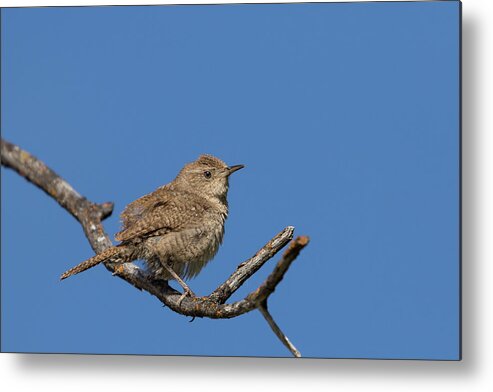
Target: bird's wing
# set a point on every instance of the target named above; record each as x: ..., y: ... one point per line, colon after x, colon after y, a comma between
x: 134, y: 211
x: 160, y: 214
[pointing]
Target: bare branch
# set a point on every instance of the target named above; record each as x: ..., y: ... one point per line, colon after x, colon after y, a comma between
x: 249, y: 267
x: 90, y: 216
x: 252, y: 300
x: 268, y: 287
x: 283, y: 338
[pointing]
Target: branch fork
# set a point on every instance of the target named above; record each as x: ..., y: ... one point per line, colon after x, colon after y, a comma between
x: 90, y: 215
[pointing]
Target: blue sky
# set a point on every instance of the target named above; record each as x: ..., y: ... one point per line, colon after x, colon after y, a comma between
x: 346, y: 117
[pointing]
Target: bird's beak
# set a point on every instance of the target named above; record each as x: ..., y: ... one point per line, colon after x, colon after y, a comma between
x: 234, y: 168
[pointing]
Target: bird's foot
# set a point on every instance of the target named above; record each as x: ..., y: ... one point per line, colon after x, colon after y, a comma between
x: 186, y: 290
x: 186, y: 293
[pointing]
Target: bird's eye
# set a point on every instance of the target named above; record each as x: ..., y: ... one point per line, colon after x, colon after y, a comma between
x: 207, y: 174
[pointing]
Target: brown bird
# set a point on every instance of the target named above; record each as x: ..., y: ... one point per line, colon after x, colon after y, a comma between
x: 178, y: 228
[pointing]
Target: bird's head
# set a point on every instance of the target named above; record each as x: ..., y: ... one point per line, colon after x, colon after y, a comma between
x: 207, y: 176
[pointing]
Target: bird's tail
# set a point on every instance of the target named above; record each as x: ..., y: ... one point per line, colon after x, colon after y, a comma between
x: 93, y: 261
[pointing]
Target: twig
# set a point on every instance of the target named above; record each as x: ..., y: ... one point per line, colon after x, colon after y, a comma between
x: 270, y: 284
x: 90, y: 216
x: 249, y: 267
x: 283, y: 338
x: 252, y: 300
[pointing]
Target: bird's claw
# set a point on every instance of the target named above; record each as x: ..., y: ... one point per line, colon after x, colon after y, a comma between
x: 186, y: 293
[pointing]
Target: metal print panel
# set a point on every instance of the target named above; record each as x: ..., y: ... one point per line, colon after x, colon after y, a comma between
x: 347, y: 119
